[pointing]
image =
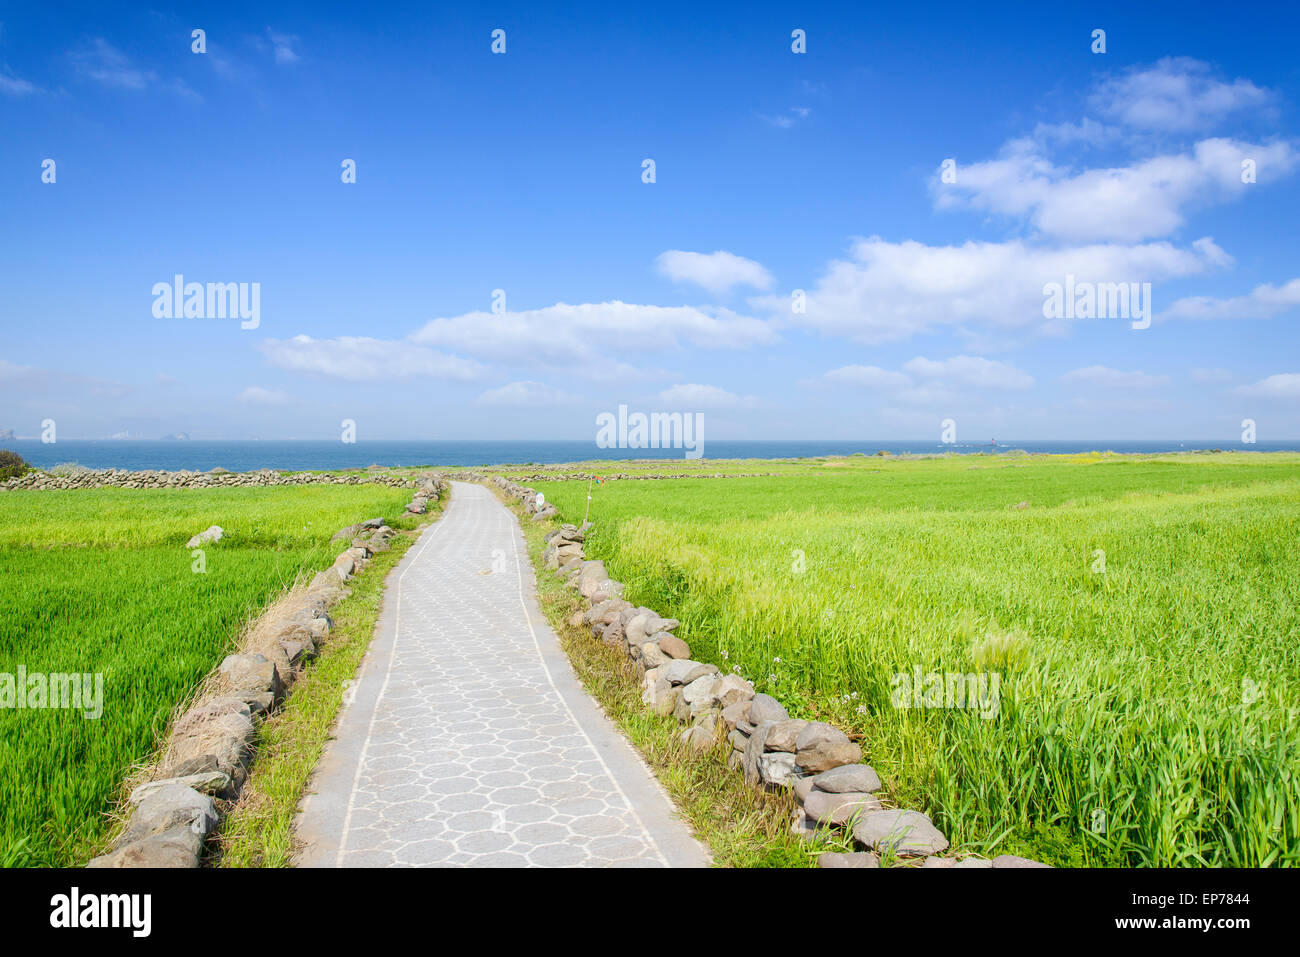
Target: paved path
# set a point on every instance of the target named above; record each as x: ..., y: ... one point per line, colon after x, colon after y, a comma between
x: 469, y: 741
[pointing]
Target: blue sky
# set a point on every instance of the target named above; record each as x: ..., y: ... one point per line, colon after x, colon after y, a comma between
x: 774, y: 171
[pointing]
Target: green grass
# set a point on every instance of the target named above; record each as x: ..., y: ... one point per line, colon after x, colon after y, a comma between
x: 1157, y: 698
x: 742, y: 826
x: 99, y: 581
x: 258, y: 830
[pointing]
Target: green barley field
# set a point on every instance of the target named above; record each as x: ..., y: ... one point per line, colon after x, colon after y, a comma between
x: 1140, y: 614
x: 100, y: 581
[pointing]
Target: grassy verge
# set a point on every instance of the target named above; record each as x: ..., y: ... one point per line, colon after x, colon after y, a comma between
x: 100, y: 583
x: 742, y: 826
x: 258, y: 830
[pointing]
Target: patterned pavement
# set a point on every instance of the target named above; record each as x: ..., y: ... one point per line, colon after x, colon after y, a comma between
x: 468, y: 740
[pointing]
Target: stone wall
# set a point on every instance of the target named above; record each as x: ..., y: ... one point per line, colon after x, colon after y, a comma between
x: 216, y: 478
x: 759, y: 739
x: 206, y: 758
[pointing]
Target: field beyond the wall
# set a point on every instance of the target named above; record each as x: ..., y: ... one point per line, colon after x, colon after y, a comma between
x: 1139, y: 615
x: 100, y: 582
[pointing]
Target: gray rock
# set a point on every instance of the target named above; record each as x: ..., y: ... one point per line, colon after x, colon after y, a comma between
x: 685, y: 671
x: 754, y: 751
x: 735, y: 713
x: 851, y: 859
x: 848, y: 777
x: 766, y: 708
x: 173, y: 805
x: 784, y: 734
x: 777, y: 768
x: 674, y: 647
x: 827, y: 808
x: 907, y: 833
x: 822, y: 746
x: 972, y: 862
x: 652, y: 655
x: 734, y: 690
x: 250, y: 673
x: 1011, y: 860
x: 211, y: 782
x: 176, y: 848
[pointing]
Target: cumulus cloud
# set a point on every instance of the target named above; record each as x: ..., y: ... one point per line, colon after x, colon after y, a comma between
x: 361, y: 359
x: 868, y: 377
x: 697, y: 396
x: 1115, y: 379
x: 1285, y: 385
x: 1126, y: 203
x: 590, y: 333
x: 890, y: 291
x: 972, y: 371
x: 525, y: 394
x: 717, y: 272
x: 1175, y: 94
x: 1262, y: 302
x: 930, y: 381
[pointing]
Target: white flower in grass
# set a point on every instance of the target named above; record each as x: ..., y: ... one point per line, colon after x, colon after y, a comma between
x: 772, y: 678
x: 735, y: 669
x: 726, y: 655
x: 862, y: 709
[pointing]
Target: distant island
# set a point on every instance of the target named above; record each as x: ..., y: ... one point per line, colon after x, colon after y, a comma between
x: 176, y: 436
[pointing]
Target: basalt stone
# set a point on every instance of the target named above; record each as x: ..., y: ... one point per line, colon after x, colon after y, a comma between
x: 754, y: 751
x: 652, y: 655
x: 848, y: 778
x: 674, y: 647
x: 907, y: 833
x: 178, y: 847
x: 851, y: 859
x: 828, y: 808
x: 785, y: 734
x: 684, y: 671
x: 777, y: 768
x: 821, y: 746
x: 1011, y: 860
x: 212, y: 782
x: 766, y: 708
x: 735, y: 713
x: 174, y: 805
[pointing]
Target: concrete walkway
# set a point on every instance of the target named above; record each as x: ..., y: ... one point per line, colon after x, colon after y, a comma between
x: 469, y: 741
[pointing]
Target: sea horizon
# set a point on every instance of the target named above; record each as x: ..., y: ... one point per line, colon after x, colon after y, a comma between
x: 242, y: 455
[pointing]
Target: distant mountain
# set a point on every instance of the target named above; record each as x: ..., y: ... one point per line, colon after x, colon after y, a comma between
x: 6, y: 434
x: 177, y: 436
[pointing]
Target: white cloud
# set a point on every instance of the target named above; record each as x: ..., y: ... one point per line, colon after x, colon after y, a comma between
x: 525, y: 394
x: 717, y: 272
x: 283, y: 44
x: 1285, y: 385
x: 1262, y: 302
x: 787, y: 119
x: 889, y: 291
x: 587, y: 338
x: 361, y: 359
x: 108, y: 66
x: 1211, y: 376
x: 1126, y: 203
x: 697, y: 396
x: 868, y: 377
x: 1176, y: 94
x: 15, y: 86
x: 970, y: 371
x: 256, y: 395
x: 1115, y: 379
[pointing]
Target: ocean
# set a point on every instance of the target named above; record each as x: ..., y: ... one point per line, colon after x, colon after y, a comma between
x: 246, y: 456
